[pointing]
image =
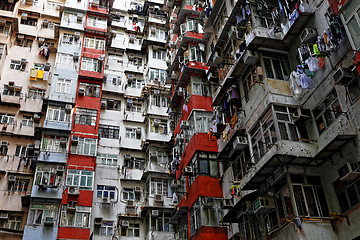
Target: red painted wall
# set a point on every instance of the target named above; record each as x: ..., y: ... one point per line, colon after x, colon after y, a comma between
x: 336, y: 5
x: 198, y: 142
x: 83, y: 199
x: 210, y: 233
x: 73, y: 233
x: 83, y: 162
x: 204, y: 186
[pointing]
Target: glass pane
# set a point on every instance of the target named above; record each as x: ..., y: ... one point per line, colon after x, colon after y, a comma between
x: 354, y: 29
x: 283, y: 131
x: 311, y: 201
x: 214, y: 171
x: 204, y: 167
x: 299, y: 199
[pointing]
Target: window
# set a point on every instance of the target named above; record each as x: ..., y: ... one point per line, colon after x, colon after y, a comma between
x: 195, y: 54
x: 348, y: 194
x: 65, y: 61
x: 16, y: 65
x: 85, y: 116
x: 159, y: 54
x: 79, y: 218
x: 137, y: 83
x: 106, y: 131
x: 192, y: 26
x: 198, y: 87
x: 159, y: 186
x: 157, y: 74
x: 39, y: 212
x: 20, y: 185
x: 106, y: 160
x: 161, y: 223
x: 128, y: 194
x: 94, y: 43
x: 159, y: 101
x: 106, y: 228
x: 130, y: 133
x: 106, y: 192
x: 69, y: 39
x: 327, y: 111
x: 134, y: 107
x: 309, y: 196
x: 63, y: 85
x: 158, y: 126
x: 11, y: 91
x: 97, y: 22
x: 205, y: 164
x: 2, y: 48
x: 29, y: 21
x: 5, y: 29
x: 57, y: 114
x: 48, y: 177
x: 202, y: 121
x: 91, y: 64
x: 54, y: 144
x: 36, y: 93
x: 13, y: 222
x: 134, y: 163
x: 113, y: 80
x: 276, y: 65
x: 27, y: 121
x: 48, y: 24
x: 351, y: 18
x: 132, y: 231
x: 111, y: 104
x: 20, y: 151
x: 80, y: 178
x: 85, y: 146
x: 158, y: 33
x: 52, y: 5
x: 22, y: 41
x: 7, y: 118
x: 91, y: 90
x: 162, y: 157
x: 353, y: 88
x: 134, y: 40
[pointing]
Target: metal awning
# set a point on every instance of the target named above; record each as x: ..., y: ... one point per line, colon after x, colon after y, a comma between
x: 297, y: 26
x: 235, y: 212
x: 178, y: 215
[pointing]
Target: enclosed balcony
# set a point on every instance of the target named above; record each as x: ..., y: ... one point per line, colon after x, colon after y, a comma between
x: 73, y: 20
x: 99, y: 6
x: 96, y: 25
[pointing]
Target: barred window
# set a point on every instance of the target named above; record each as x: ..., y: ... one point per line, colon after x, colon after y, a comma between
x: 85, y: 116
x: 109, y: 131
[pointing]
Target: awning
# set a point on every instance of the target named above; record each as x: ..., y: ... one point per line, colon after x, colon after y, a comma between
x: 236, y: 211
x: 178, y: 215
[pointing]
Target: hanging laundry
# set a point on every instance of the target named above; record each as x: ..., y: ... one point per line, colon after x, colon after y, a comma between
x: 313, y: 64
x: 321, y: 62
x: 46, y: 75
x: 295, y: 84
x: 234, y: 92
x: 341, y: 26
x: 306, y: 82
x: 47, y: 54
x: 316, y: 50
x: 40, y: 74
x: 185, y: 108
x: 248, y: 10
x: 321, y: 44
x: 33, y: 73
x: 226, y: 106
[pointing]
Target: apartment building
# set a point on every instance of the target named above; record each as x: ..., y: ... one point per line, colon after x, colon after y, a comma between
x: 284, y: 96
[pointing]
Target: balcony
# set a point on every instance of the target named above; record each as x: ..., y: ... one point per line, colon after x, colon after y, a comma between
x: 158, y: 137
x: 128, y: 174
x: 52, y: 157
x: 96, y: 27
x: 75, y: 4
x: 99, y: 6
x: 17, y: 129
x: 31, y: 105
x: 187, y: 8
x: 10, y: 100
x: 157, y: 18
x: 76, y: 25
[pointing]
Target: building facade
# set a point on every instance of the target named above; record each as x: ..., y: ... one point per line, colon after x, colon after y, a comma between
x: 179, y: 119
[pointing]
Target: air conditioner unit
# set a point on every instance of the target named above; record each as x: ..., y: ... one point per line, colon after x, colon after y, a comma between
x: 2, y: 22
x: 101, y: 58
x: 81, y: 91
x: 130, y: 203
x: 208, y: 201
x: 263, y: 204
x: 74, y: 140
x: 68, y: 108
x: 308, y: 34
x: 175, y: 183
x: 60, y: 169
x: 4, y: 215
x: 184, y: 125
x: 97, y: 221
x: 188, y: 170
x: 155, y: 212
x: 30, y: 146
x: 349, y: 171
x: 138, y: 130
x: 301, y: 115
x: 73, y: 190
x: 24, y: 16
x: 63, y: 141
x: 137, y: 189
x: 251, y: 57
x: 77, y: 35
x: 103, y: 104
x: 125, y: 223
x: 240, y: 143
x: 342, y: 76
x: 4, y: 143
x: 158, y: 198
x: 153, y: 155
x: 49, y: 221
x: 131, y: 56
x: 12, y: 178
x: 156, y: 91
x: 71, y: 206
x: 156, y: 122
x: 76, y: 56
x: 127, y: 156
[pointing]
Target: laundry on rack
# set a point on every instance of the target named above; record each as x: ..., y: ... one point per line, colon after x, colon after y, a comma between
x: 312, y: 63
x: 40, y: 74
x: 46, y: 75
